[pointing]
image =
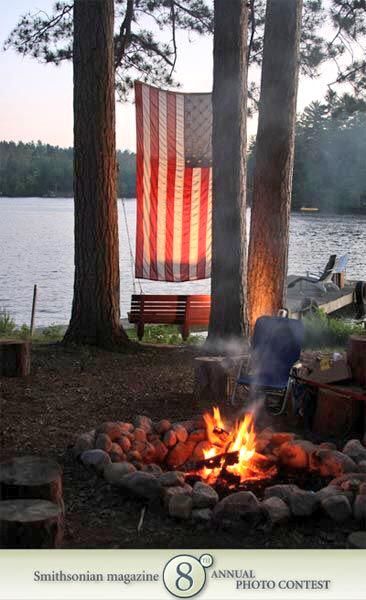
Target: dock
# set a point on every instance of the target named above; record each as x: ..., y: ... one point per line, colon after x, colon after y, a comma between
x: 329, y: 302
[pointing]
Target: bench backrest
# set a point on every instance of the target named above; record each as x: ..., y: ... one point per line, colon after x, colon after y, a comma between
x: 159, y: 308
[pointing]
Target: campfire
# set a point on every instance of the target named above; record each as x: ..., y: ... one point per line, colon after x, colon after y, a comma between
x: 232, y: 456
x: 211, y: 469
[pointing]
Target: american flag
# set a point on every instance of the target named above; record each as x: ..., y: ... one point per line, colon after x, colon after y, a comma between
x: 173, y: 184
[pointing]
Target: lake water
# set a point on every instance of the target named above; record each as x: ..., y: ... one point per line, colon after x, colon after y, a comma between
x: 36, y: 246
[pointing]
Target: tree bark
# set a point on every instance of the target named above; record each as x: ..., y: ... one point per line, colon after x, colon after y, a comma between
x: 95, y: 317
x: 228, y: 306
x: 269, y: 231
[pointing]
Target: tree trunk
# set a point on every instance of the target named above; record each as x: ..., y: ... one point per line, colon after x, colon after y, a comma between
x: 269, y: 232
x: 228, y: 306
x: 95, y: 315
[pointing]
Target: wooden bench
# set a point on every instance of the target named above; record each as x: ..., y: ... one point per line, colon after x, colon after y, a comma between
x: 169, y: 310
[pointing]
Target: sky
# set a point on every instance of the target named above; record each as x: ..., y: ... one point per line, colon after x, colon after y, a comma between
x: 36, y: 99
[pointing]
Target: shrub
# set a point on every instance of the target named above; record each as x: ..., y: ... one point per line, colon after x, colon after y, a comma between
x: 322, y: 331
x: 7, y: 324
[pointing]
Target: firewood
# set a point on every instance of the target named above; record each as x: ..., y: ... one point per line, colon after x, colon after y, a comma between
x: 30, y: 524
x: 31, y: 477
x: 14, y: 358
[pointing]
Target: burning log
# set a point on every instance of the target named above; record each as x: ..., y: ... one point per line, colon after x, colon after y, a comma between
x: 220, y: 460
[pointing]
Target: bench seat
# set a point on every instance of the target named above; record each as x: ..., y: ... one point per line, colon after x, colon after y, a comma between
x: 182, y: 310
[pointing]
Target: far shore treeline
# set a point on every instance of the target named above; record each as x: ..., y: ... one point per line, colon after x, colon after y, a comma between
x: 329, y: 171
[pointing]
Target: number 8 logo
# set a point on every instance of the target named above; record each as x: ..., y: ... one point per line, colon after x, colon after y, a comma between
x: 191, y: 575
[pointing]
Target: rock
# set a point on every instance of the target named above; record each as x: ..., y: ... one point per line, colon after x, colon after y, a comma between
x: 140, y: 435
x: 266, y: 434
x: 124, y: 442
x: 160, y: 451
x: 149, y: 454
x: 240, y: 508
x: 189, y: 425
x: 282, y: 491
x: 200, y: 448
x: 180, y: 506
x: 113, y: 473
x: 202, y: 515
x: 276, y: 509
x: 332, y: 490
x: 337, y: 508
x: 328, y: 446
x: 170, y: 438
x: 126, y: 427
x: 204, y: 496
x: 162, y: 426
x: 278, y: 439
x: 355, y: 476
x: 134, y: 456
x: 180, y: 454
x: 83, y: 442
x: 359, y: 508
x: 357, y: 540
x: 331, y: 463
x: 152, y: 437
x: 141, y: 484
x: 116, y: 453
x: 113, y: 430
x: 303, y: 503
x: 103, y: 442
x: 296, y: 454
x: 152, y: 468
x: 355, y: 450
x: 95, y: 458
x: 362, y: 466
x: 180, y: 432
x: 261, y: 445
x: 198, y: 435
x: 143, y: 422
x: 168, y: 492
x: 362, y: 489
x: 172, y: 478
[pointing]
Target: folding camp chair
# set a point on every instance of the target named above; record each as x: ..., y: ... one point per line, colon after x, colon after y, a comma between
x: 276, y: 347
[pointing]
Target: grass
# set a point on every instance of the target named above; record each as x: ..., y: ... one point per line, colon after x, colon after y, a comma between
x: 154, y: 334
x: 165, y: 334
x: 8, y: 328
x: 322, y: 331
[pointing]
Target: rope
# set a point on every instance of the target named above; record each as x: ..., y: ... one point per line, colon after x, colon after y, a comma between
x: 132, y: 258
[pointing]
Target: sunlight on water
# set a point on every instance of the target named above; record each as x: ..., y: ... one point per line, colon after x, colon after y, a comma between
x: 36, y: 246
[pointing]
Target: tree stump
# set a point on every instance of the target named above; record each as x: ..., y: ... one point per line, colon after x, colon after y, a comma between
x: 356, y: 355
x: 214, y: 378
x: 31, y: 477
x: 30, y: 524
x: 14, y: 358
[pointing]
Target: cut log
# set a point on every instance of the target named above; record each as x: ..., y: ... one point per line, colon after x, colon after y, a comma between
x: 30, y: 524
x: 31, y: 477
x: 214, y: 378
x: 356, y: 355
x: 14, y: 358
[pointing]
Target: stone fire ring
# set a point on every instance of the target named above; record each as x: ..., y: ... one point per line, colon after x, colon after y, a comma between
x: 143, y: 458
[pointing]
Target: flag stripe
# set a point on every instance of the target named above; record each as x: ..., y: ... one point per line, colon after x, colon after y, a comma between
x: 201, y: 258
x: 146, y: 182
x: 154, y: 174
x: 170, y: 192
x: 139, y: 182
x: 179, y: 181
x: 186, y: 224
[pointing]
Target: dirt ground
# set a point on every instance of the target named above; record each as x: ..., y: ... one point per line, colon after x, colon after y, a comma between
x: 73, y: 390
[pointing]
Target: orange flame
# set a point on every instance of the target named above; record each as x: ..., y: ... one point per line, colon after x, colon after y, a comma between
x: 240, y: 438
